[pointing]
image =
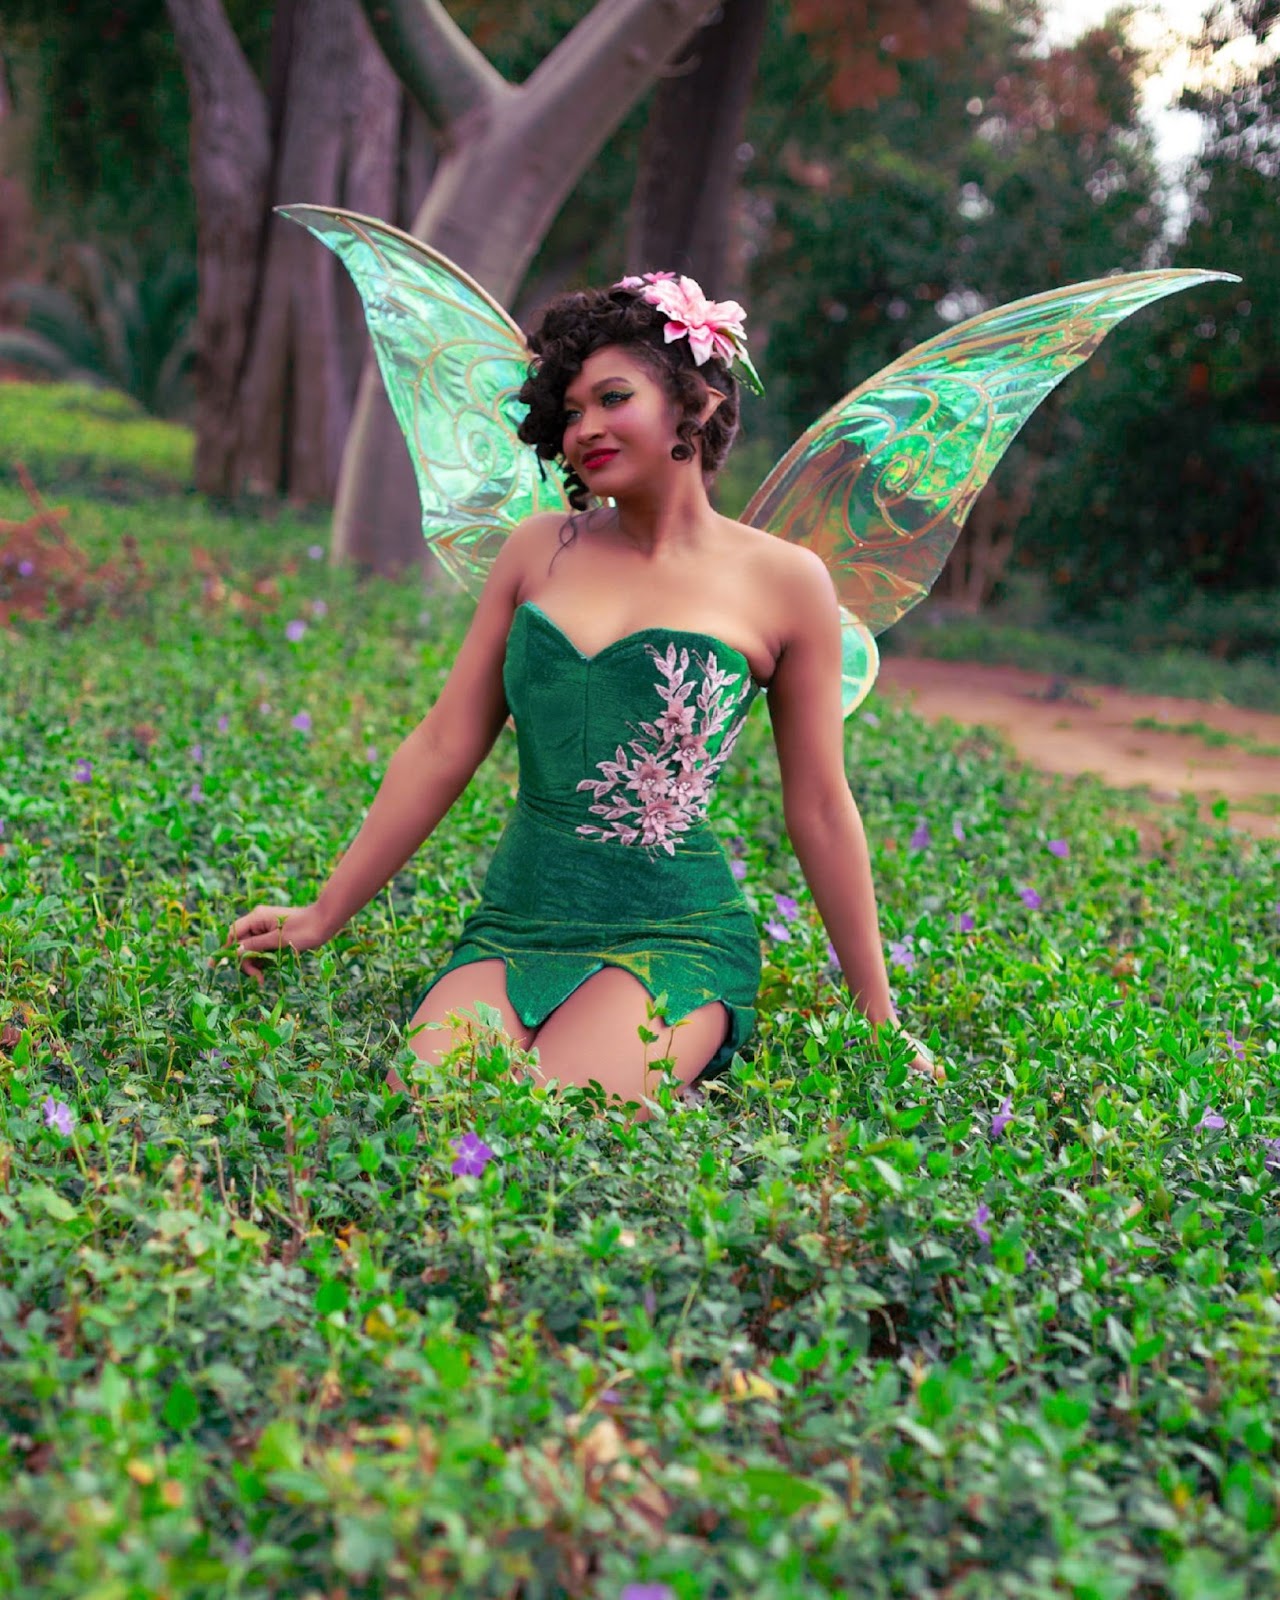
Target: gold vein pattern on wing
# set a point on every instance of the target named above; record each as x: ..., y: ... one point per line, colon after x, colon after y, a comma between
x: 881, y: 484
x: 452, y: 361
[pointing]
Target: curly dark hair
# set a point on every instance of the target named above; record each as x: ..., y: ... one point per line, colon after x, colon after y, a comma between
x: 575, y: 325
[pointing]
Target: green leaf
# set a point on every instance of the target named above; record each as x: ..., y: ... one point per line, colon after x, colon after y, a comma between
x: 279, y: 1448
x: 783, y: 1490
x: 49, y: 1201
x: 181, y: 1407
x: 332, y: 1295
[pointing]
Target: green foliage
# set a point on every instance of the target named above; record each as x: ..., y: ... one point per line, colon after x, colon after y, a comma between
x: 1151, y: 654
x: 830, y: 1332
x: 67, y: 433
x: 1173, y: 482
x: 130, y: 330
x: 102, y: 117
x: 983, y: 180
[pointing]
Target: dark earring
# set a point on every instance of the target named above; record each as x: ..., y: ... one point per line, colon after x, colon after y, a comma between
x: 681, y: 452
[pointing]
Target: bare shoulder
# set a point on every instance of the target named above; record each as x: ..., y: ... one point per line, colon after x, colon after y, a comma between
x: 534, y: 542
x: 793, y: 580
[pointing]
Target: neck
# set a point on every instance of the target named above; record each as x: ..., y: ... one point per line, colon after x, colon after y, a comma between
x: 671, y: 518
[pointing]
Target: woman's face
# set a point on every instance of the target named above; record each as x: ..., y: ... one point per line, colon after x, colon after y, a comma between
x: 619, y: 422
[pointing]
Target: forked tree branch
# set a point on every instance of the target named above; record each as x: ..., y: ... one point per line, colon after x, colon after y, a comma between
x: 446, y: 74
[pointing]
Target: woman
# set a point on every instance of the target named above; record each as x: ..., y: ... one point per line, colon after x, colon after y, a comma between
x: 629, y: 643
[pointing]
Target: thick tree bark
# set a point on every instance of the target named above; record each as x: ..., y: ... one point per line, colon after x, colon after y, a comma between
x: 281, y: 337
x: 231, y: 172
x: 682, y: 208
x: 508, y: 158
x: 292, y: 411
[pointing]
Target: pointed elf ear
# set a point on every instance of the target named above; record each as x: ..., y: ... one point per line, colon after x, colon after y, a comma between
x: 711, y: 405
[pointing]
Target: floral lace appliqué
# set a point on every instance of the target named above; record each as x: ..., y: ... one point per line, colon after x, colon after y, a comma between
x: 666, y: 783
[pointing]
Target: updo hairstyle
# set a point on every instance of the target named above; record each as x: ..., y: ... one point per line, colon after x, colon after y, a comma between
x: 573, y: 327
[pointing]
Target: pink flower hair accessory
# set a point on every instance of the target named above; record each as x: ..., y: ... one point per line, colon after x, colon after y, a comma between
x: 712, y: 327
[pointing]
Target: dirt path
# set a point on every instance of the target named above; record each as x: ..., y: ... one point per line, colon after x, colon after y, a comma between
x: 1071, y: 727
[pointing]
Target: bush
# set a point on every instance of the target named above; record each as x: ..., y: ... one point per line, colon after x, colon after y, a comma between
x: 74, y: 435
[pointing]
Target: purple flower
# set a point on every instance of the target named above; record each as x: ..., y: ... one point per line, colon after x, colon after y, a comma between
x: 956, y: 830
x: 264, y: 707
x: 1, y: 827
x: 1058, y: 847
x: 738, y: 869
x: 473, y: 1155
x: 319, y: 609
x: 787, y: 907
x: 920, y: 838
x: 737, y: 844
x: 295, y: 630
x: 196, y: 752
x: 196, y: 793
x: 84, y: 771
x: 647, y: 1591
x: 57, y: 1114
x: 1033, y: 1259
x: 1001, y: 1119
x: 650, y: 1299
x: 901, y: 954
x: 776, y: 930
x: 966, y: 922
x: 1271, y: 1161
x: 982, y: 1215
x: 316, y: 552
x: 224, y: 722
x: 1029, y: 898
x: 1237, y: 1047
x: 26, y: 568
x: 1211, y: 1119
x: 870, y: 718
x: 832, y: 957
x: 213, y: 1061
x: 371, y: 752
x: 302, y: 722
x: 610, y: 1397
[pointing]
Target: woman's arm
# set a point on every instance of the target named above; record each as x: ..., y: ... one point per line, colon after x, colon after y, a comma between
x: 438, y: 759
x: 821, y: 816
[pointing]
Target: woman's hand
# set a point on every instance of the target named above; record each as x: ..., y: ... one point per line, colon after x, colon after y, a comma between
x: 929, y: 1068
x: 274, y: 928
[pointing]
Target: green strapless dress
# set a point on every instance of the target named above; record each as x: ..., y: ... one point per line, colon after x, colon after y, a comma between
x: 607, y: 858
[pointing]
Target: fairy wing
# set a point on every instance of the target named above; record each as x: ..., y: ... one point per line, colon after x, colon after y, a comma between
x: 453, y: 362
x: 881, y: 484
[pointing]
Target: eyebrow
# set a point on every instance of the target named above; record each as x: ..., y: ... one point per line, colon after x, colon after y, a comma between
x: 603, y: 384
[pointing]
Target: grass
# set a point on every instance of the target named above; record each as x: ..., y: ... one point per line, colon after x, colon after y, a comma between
x: 1218, y: 737
x: 833, y: 1332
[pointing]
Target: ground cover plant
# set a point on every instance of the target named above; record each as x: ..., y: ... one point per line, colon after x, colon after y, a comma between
x: 268, y: 1329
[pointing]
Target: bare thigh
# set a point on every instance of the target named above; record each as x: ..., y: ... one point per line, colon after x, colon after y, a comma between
x: 593, y: 1035
x: 458, y: 991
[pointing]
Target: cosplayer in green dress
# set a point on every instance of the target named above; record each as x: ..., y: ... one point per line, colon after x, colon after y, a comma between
x: 607, y: 858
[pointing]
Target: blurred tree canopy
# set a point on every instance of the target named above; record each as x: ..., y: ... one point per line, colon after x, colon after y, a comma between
x: 878, y: 191
x: 1168, y: 490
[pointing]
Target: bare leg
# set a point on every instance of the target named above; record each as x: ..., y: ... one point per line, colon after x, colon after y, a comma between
x: 592, y: 1035
x: 458, y: 991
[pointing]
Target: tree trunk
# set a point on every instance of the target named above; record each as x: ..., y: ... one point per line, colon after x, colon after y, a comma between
x: 509, y: 159
x: 292, y: 411
x: 682, y: 207
x: 281, y: 335
x: 230, y: 171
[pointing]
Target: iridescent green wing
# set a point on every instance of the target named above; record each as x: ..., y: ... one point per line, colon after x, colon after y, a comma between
x: 452, y: 361
x: 881, y: 484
